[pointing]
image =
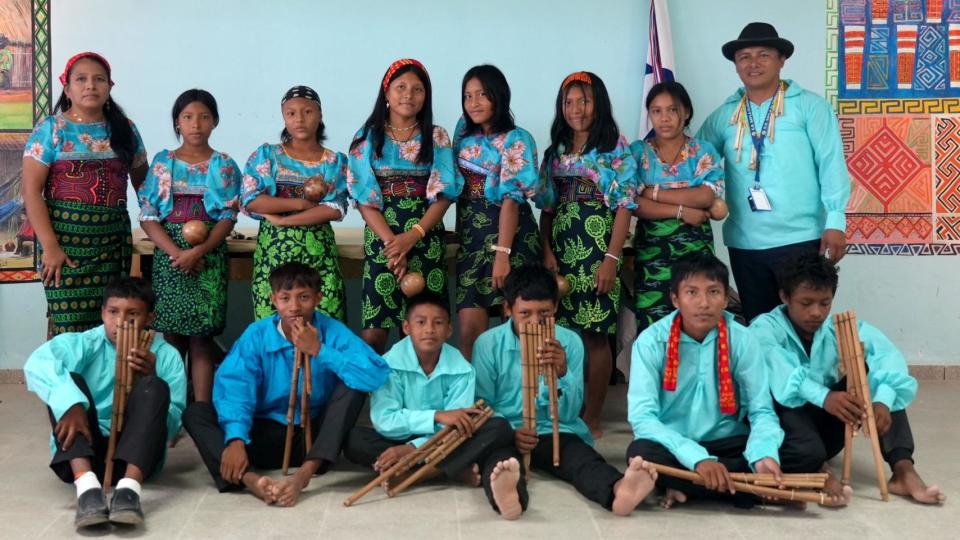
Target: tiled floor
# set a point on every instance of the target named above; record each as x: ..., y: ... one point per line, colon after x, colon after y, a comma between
x: 183, y: 503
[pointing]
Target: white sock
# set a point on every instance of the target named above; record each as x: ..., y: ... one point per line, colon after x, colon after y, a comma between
x: 87, y: 480
x: 129, y: 483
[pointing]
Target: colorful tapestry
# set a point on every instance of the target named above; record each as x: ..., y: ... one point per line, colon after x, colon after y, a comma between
x: 24, y: 100
x: 893, y: 73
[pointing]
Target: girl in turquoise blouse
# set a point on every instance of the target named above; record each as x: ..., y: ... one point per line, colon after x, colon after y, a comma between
x: 497, y: 162
x: 592, y: 181
x: 680, y: 177
x: 402, y: 182
x: 277, y: 182
x: 193, y: 182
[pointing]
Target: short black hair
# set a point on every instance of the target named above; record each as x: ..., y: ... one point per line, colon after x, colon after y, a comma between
x: 289, y: 275
x: 131, y: 287
x: 495, y: 86
x: 677, y: 92
x: 190, y: 96
x: 702, y: 263
x: 427, y: 298
x: 530, y: 282
x: 810, y: 269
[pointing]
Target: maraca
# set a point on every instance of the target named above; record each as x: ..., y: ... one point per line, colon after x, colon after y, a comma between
x: 563, y: 285
x: 194, y: 232
x: 314, y: 189
x: 718, y: 210
x: 412, y: 283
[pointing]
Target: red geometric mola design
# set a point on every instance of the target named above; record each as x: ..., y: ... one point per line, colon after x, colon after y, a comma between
x: 888, y: 229
x: 884, y: 165
x: 947, y: 157
x: 948, y: 228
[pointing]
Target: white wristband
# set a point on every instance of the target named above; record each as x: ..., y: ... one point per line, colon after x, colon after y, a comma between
x: 501, y: 249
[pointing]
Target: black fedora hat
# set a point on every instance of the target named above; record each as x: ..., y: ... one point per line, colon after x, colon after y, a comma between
x: 758, y: 34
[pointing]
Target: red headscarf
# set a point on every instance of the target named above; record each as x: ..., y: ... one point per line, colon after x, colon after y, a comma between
x: 73, y: 60
x: 397, y: 65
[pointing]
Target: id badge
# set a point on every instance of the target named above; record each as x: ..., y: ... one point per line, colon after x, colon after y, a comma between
x: 758, y: 200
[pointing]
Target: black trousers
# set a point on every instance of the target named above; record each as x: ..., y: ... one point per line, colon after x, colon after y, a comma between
x: 490, y: 444
x: 142, y: 442
x: 729, y: 452
x: 268, y: 438
x: 580, y: 465
x: 814, y: 436
x: 755, y: 271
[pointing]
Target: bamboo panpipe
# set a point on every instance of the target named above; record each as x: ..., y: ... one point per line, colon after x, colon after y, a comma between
x: 431, y: 453
x: 129, y: 336
x: 301, y: 362
x: 551, y: 376
x: 852, y: 358
x: 532, y: 337
x: 818, y: 497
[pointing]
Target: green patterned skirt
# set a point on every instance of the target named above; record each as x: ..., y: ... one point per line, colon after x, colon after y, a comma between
x: 478, y: 227
x: 190, y: 304
x: 313, y: 245
x: 581, y: 232
x: 658, y: 244
x: 98, y: 239
x: 384, y: 304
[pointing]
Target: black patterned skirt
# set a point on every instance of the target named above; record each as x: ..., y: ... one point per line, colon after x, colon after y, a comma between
x: 404, y: 204
x: 478, y: 228
x: 97, y: 238
x: 657, y: 246
x: 582, y: 227
x: 190, y: 304
x: 313, y: 245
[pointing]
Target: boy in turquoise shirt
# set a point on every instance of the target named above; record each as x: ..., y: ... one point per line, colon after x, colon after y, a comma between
x: 431, y: 385
x: 530, y: 296
x: 74, y: 375
x: 811, y: 398
x: 696, y: 378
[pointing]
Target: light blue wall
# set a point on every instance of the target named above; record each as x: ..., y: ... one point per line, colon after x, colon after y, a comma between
x: 248, y: 56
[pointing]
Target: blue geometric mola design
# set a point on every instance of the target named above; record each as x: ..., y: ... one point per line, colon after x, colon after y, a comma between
x: 907, y: 11
x: 879, y: 40
x: 853, y: 12
x: 878, y: 72
x: 931, y: 72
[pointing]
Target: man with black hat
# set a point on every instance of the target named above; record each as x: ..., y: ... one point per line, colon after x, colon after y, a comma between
x: 786, y: 176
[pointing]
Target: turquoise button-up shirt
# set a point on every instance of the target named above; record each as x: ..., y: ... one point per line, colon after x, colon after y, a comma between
x: 680, y: 419
x: 797, y: 378
x: 803, y: 171
x: 405, y: 406
x: 496, y: 359
x: 93, y: 356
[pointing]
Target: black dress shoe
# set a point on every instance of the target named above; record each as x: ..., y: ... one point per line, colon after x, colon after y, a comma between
x: 91, y: 509
x: 125, y: 507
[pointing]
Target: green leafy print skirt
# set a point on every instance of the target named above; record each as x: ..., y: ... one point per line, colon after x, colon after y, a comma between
x: 384, y: 304
x: 478, y: 226
x: 190, y: 304
x: 97, y: 238
x: 313, y: 245
x: 581, y: 232
x: 658, y: 244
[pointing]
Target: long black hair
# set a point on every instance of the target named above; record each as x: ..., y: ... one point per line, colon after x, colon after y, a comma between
x: 676, y: 91
x: 190, y: 96
x: 495, y: 86
x: 604, y: 132
x: 122, y: 140
x: 374, y: 124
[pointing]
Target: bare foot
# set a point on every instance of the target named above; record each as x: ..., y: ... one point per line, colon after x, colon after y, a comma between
x: 503, y: 484
x: 471, y: 476
x: 286, y: 492
x: 838, y: 495
x: 261, y: 486
x: 595, y: 427
x: 672, y: 496
x: 907, y: 483
x: 637, y: 482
